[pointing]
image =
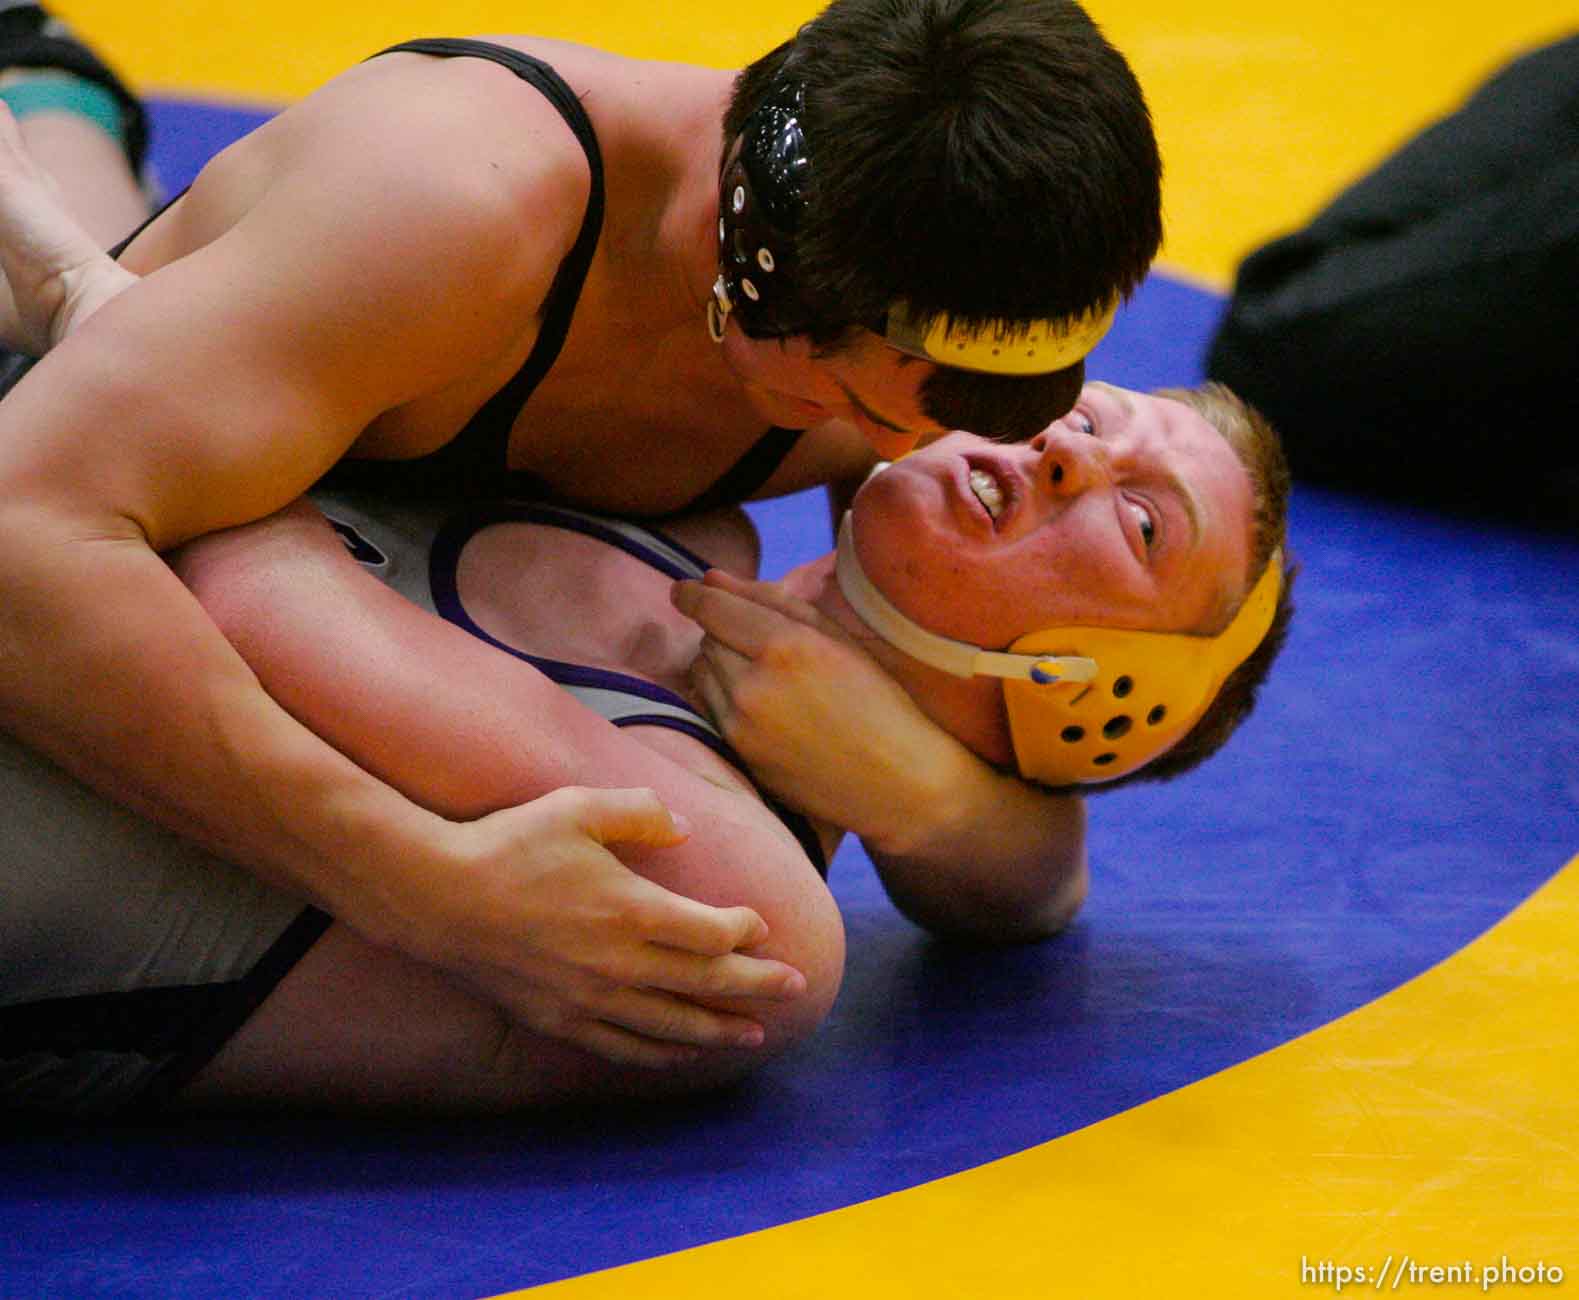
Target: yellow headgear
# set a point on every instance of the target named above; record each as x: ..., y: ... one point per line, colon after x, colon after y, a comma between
x: 1007, y: 348
x: 1085, y: 704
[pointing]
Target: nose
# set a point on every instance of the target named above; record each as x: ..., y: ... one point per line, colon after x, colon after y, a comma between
x: 1070, y: 461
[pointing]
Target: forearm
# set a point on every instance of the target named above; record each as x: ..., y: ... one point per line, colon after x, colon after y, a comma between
x: 983, y: 855
x: 109, y: 666
x: 961, y: 848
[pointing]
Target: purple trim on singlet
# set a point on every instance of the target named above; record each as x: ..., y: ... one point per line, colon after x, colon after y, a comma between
x: 589, y: 526
x: 444, y: 559
x: 443, y: 564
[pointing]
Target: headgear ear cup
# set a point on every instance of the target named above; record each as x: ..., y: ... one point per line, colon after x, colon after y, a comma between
x: 1149, y: 690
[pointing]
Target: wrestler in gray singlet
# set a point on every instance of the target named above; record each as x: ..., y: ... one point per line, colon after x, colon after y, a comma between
x: 128, y: 956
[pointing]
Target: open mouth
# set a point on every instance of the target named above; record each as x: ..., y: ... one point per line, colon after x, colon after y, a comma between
x: 987, y: 490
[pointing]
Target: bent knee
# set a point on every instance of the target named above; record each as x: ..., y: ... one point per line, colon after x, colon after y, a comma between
x: 806, y: 932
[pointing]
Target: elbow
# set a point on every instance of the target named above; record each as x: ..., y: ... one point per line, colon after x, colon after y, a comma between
x: 1058, y: 911
x: 998, y: 918
x: 804, y: 930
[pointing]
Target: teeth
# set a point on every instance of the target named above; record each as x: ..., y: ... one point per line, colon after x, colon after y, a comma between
x: 987, y: 491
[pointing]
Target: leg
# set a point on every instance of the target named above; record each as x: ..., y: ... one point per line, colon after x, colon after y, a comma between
x: 57, y: 273
x: 126, y: 954
x: 78, y: 124
x: 95, y: 181
x: 360, y: 1028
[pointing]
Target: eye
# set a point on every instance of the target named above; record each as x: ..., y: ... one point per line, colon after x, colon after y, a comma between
x: 1083, y: 423
x: 1147, y: 525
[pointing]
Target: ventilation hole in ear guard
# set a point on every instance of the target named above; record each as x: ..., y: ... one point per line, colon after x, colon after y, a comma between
x: 1116, y: 727
x: 742, y: 254
x: 1102, y: 760
x: 1072, y: 735
x: 1122, y: 687
x: 1156, y: 715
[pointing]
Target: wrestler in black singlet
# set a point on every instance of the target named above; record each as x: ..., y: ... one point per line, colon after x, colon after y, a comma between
x: 474, y: 464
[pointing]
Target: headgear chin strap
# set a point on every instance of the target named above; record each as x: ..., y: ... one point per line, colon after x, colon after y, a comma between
x: 761, y: 192
x: 1085, y: 704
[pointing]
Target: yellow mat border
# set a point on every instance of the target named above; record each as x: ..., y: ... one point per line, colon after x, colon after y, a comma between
x: 1434, y: 1128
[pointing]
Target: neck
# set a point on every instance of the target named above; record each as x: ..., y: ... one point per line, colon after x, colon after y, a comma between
x: 969, y: 708
x: 690, y: 227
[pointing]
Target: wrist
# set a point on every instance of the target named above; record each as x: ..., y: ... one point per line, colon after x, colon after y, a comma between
x: 372, y: 853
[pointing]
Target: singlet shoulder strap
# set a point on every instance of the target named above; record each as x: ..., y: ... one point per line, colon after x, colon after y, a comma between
x: 498, y: 414
x: 622, y: 699
x: 742, y: 480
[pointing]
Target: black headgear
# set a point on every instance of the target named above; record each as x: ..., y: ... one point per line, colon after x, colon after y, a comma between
x: 761, y: 191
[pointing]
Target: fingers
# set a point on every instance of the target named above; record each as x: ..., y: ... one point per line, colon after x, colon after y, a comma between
x: 623, y: 816
x: 649, y: 1032
x: 685, y: 946
x: 637, y: 1026
x: 744, y: 615
x: 759, y: 591
x: 659, y: 1018
x: 720, y: 662
x: 734, y: 976
x: 710, y: 678
x: 642, y: 1026
x: 689, y: 927
x: 607, y: 958
x: 621, y: 1047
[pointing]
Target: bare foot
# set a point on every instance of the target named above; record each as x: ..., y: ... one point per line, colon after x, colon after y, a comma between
x: 57, y: 274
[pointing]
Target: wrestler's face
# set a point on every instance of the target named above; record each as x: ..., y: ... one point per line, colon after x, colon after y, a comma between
x: 1131, y: 511
x: 866, y: 384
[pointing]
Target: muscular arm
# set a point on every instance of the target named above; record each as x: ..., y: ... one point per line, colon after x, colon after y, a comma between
x: 987, y: 856
x: 208, y: 394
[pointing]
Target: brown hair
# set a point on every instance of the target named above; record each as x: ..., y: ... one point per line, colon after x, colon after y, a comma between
x: 985, y: 159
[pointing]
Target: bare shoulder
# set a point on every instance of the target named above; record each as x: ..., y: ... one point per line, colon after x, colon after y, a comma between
x: 726, y: 539
x: 419, y: 143
x: 479, y: 132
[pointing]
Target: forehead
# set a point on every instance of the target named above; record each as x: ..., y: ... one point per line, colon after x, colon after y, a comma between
x: 1219, y: 491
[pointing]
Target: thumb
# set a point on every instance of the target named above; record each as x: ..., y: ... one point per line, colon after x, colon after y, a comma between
x: 633, y: 816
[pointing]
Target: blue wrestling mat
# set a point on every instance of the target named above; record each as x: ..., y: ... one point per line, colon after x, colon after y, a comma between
x: 1408, y: 780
